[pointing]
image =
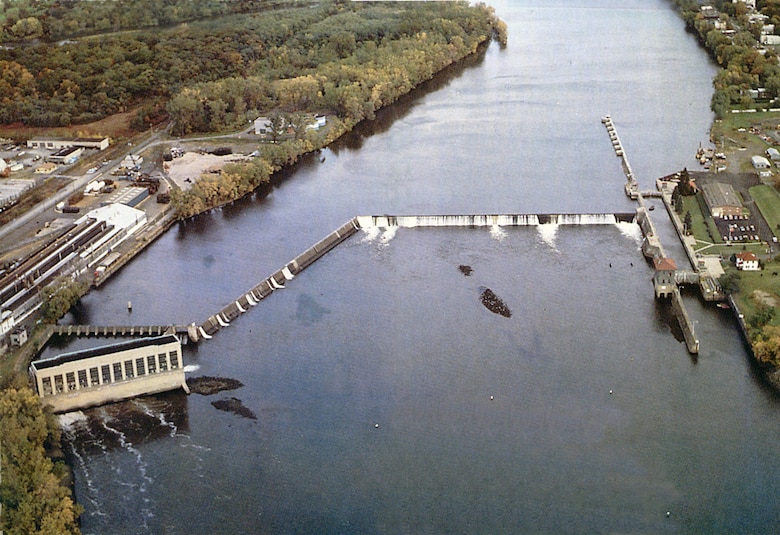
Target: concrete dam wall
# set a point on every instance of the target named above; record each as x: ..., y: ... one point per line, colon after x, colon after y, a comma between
x: 492, y: 220
x: 276, y: 281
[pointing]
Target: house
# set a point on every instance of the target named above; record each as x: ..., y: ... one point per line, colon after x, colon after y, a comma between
x: 747, y: 261
x: 722, y: 200
x: 771, y: 40
x: 46, y: 168
x: 319, y: 122
x: 262, y: 126
x: 663, y: 280
x: 750, y: 4
x: 709, y: 13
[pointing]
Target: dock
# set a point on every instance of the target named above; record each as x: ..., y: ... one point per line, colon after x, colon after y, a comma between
x: 668, y: 278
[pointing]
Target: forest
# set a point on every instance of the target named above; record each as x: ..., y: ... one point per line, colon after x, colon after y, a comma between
x: 53, y: 20
x: 343, y: 57
x: 744, y: 66
x: 32, y: 494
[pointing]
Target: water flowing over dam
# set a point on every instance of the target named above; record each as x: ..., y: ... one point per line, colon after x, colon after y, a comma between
x: 492, y: 220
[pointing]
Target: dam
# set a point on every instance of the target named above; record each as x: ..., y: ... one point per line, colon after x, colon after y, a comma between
x: 666, y: 280
x: 492, y: 220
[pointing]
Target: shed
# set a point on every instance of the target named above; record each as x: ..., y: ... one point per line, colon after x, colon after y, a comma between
x: 759, y: 162
x: 773, y: 154
x: 18, y: 336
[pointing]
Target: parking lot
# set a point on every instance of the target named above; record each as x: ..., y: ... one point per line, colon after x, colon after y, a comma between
x: 740, y: 229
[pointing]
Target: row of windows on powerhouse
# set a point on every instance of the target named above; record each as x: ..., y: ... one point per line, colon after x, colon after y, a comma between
x: 121, y: 372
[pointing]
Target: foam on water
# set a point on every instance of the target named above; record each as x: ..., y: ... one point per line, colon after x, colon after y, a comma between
x: 631, y: 230
x: 387, y: 236
x: 497, y: 233
x: 548, y: 233
x: 370, y: 234
x: 190, y: 368
x: 70, y: 420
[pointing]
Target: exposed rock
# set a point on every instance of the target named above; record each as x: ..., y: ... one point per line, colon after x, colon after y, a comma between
x: 235, y: 406
x: 494, y: 303
x: 207, y: 386
x: 466, y: 270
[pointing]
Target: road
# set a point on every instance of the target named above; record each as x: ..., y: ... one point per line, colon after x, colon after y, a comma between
x: 77, y: 184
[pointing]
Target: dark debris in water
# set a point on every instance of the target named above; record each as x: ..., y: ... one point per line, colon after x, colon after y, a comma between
x: 466, y: 270
x: 235, y: 406
x: 207, y: 386
x: 494, y: 303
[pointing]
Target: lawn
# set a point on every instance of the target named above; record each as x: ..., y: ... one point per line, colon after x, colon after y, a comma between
x: 768, y: 202
x: 700, y: 227
x: 767, y: 280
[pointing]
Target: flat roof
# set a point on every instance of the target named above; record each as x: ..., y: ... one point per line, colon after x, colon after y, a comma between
x: 719, y: 194
x: 74, y: 356
x: 66, y: 151
x: 70, y: 139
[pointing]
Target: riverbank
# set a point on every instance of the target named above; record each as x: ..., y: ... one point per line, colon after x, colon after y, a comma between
x: 208, y: 193
x: 742, y: 130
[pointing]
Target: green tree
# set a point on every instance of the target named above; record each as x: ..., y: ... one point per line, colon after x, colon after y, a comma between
x: 58, y: 298
x: 34, y: 499
x: 686, y: 185
x: 276, y: 123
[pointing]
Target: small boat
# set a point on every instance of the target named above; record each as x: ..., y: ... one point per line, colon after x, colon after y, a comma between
x: 724, y: 306
x: 652, y: 207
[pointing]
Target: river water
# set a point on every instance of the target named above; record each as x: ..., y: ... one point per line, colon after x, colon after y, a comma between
x: 386, y: 398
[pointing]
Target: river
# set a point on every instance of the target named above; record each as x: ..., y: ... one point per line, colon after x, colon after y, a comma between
x: 386, y: 398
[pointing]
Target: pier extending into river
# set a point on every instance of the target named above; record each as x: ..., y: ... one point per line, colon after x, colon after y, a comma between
x: 664, y: 284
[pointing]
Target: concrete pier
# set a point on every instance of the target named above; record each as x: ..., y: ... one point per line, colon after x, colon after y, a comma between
x: 652, y: 247
x: 277, y: 280
x: 631, y: 187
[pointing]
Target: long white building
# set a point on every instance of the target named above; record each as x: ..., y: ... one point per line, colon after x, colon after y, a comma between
x: 115, y: 372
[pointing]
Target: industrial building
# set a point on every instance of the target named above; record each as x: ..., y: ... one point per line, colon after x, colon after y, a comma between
x: 105, y: 374
x: 60, y: 143
x: 66, y: 156
x: 73, y: 250
x: 722, y: 200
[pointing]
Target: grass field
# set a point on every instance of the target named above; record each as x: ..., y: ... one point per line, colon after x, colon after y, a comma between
x: 768, y: 201
x: 757, y: 287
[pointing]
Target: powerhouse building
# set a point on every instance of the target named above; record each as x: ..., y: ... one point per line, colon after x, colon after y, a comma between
x: 105, y: 374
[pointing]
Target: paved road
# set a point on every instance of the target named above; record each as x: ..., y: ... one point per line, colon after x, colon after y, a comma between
x: 77, y: 183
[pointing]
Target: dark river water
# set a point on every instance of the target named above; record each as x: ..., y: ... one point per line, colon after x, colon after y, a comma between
x: 386, y: 397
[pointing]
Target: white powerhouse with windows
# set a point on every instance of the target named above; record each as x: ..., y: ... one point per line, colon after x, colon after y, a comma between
x: 109, y: 373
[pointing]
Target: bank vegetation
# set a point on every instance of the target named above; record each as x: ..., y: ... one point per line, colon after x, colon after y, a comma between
x: 733, y: 41
x: 749, y: 79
